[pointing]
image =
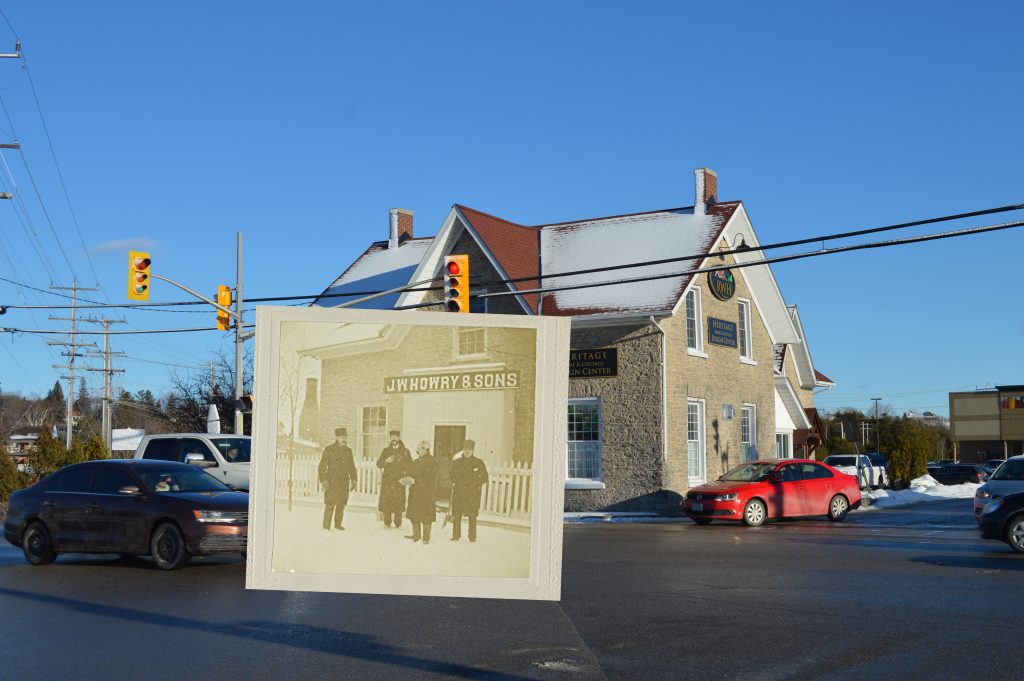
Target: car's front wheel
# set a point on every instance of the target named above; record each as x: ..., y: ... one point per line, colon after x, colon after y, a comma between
x: 36, y: 545
x: 754, y: 513
x: 1015, y: 534
x: 838, y: 508
x: 168, y: 549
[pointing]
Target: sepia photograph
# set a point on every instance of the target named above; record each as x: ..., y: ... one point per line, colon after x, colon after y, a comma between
x: 407, y: 451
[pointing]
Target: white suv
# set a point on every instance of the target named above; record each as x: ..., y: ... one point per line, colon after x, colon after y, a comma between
x: 225, y: 457
x: 859, y: 466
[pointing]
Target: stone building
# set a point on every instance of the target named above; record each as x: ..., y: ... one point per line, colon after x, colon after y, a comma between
x: 674, y: 378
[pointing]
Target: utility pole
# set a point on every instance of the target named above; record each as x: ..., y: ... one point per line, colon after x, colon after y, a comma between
x: 108, y: 373
x: 878, y: 433
x: 72, y: 346
x: 239, y: 342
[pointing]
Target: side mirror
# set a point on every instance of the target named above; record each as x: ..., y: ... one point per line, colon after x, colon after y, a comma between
x: 129, y: 491
x: 197, y: 460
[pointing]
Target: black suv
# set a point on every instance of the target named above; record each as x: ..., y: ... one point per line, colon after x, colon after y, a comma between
x: 959, y: 473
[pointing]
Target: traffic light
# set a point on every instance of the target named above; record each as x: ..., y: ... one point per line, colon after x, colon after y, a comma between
x: 223, y: 298
x: 138, y: 275
x: 456, y: 283
x: 245, y: 404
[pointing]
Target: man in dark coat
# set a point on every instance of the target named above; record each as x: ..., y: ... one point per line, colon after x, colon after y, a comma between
x: 420, y: 478
x: 393, y: 462
x: 337, y: 473
x: 469, y: 475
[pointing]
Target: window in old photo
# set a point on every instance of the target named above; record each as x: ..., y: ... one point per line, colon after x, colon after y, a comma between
x: 398, y: 456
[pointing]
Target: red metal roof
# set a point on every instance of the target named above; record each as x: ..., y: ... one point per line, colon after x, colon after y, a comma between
x: 515, y: 247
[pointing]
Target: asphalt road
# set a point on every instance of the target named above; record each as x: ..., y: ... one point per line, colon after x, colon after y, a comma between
x: 896, y: 594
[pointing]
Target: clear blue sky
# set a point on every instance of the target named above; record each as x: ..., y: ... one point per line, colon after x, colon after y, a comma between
x: 301, y: 124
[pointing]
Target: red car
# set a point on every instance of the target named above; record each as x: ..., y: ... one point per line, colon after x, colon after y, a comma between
x: 783, y: 488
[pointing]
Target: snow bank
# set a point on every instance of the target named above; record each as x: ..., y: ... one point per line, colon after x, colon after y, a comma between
x: 925, y: 488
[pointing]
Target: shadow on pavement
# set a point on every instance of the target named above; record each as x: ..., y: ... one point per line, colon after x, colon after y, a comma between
x: 1008, y: 561
x: 303, y: 636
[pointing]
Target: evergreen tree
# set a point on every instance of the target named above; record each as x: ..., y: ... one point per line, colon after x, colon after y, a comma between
x: 47, y: 454
x: 56, y: 394
x: 95, y: 448
x: 10, y: 480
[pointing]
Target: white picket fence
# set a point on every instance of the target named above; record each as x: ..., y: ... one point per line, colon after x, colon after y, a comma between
x: 506, y: 497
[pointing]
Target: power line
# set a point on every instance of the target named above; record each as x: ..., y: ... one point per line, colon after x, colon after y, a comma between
x: 128, y: 332
x: 646, y: 263
x: 765, y: 261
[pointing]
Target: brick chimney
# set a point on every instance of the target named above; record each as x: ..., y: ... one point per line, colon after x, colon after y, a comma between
x: 401, y: 227
x: 706, y: 185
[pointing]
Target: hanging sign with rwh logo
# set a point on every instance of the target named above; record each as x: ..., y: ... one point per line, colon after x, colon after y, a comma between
x: 722, y: 284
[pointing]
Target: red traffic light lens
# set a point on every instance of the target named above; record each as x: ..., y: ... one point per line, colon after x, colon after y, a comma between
x: 453, y: 267
x: 141, y: 263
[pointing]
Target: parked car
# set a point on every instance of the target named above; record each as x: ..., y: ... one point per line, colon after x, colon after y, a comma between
x: 861, y: 467
x: 168, y: 510
x: 960, y: 473
x: 225, y: 457
x: 933, y: 466
x: 1003, y: 519
x: 994, y: 463
x: 1007, y: 479
x: 756, y: 491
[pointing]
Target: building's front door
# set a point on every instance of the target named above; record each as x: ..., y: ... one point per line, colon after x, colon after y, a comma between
x: 447, y: 441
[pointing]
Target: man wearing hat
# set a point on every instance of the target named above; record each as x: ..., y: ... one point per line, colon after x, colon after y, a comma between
x: 393, y: 461
x: 337, y: 473
x: 469, y: 475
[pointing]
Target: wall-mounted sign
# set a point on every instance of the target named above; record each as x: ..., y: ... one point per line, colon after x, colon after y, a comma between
x: 459, y: 380
x: 722, y: 284
x: 600, y: 363
x: 721, y: 332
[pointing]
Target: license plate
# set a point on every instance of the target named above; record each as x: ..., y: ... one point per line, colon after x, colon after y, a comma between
x: 697, y: 506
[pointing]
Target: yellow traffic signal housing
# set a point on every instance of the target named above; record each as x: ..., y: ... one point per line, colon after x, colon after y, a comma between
x: 456, y: 283
x: 138, y: 275
x: 223, y: 298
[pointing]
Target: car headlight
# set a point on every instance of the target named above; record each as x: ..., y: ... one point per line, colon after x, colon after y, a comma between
x: 225, y: 517
x: 727, y: 497
x: 992, y: 506
x: 983, y: 493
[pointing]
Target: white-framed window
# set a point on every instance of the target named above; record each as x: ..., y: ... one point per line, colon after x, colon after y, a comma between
x: 695, y: 442
x: 470, y: 342
x: 694, y: 330
x: 584, y: 444
x: 743, y: 332
x: 748, y: 432
x: 784, y: 445
x: 373, y: 430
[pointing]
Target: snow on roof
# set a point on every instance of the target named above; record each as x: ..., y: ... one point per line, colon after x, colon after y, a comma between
x: 378, y: 269
x: 615, y: 241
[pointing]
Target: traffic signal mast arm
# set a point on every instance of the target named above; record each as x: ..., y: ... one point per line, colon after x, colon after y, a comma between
x: 226, y: 310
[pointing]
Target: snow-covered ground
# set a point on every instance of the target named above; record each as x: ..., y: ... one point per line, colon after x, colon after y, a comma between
x: 367, y: 547
x: 925, y: 488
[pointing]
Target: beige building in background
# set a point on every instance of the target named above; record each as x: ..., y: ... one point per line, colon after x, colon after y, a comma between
x: 987, y: 424
x: 673, y: 380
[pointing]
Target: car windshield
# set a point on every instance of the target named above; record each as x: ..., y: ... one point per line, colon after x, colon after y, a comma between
x: 749, y: 472
x: 841, y: 460
x: 233, y: 449
x: 1010, y: 470
x: 180, y: 480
